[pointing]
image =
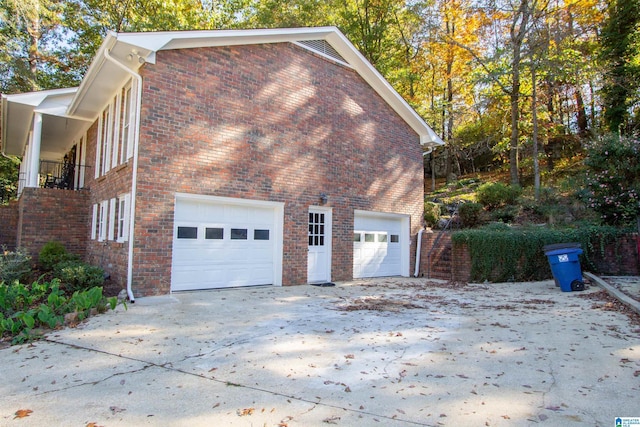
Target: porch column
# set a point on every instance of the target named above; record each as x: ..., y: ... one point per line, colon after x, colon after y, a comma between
x: 34, y: 152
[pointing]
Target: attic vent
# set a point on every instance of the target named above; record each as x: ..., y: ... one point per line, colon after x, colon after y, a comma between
x: 324, y: 48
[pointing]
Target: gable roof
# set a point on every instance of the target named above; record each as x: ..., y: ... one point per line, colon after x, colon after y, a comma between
x: 67, y: 112
x: 134, y: 49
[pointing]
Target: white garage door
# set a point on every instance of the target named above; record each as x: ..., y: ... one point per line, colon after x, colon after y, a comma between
x: 380, y: 246
x: 222, y: 242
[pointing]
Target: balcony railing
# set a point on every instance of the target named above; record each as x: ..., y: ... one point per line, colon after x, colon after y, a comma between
x: 62, y: 175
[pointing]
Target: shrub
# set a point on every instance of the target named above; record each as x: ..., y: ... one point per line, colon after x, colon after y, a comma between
x: 53, y: 253
x: 432, y: 212
x: 506, y: 213
x: 78, y: 276
x: 14, y: 265
x: 496, y: 194
x: 501, y: 253
x: 471, y: 214
x: 613, y: 179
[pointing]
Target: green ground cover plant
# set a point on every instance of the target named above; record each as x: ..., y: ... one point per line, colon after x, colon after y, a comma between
x: 71, y: 287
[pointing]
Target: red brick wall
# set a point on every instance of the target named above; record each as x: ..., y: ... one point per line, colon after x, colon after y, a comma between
x: 9, y: 225
x: 111, y: 255
x: 48, y: 214
x: 268, y: 122
x: 620, y: 258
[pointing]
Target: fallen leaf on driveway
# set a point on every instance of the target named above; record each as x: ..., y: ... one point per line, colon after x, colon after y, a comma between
x: 22, y: 413
x: 331, y: 420
x: 245, y: 412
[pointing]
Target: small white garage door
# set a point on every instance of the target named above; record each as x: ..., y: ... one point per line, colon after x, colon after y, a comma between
x: 223, y: 242
x: 380, y: 246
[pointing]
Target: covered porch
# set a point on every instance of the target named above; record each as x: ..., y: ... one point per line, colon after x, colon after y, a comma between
x: 51, y: 143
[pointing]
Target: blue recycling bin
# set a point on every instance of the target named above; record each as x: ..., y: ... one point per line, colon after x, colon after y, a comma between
x: 565, y: 267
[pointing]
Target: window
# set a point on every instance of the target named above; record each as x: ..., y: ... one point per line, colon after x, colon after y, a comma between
x: 115, y: 137
x: 105, y: 140
x: 369, y: 237
x: 94, y: 222
x: 125, y: 124
x: 115, y: 131
x: 187, y: 232
x: 260, y: 234
x: 214, y: 233
x: 122, y: 218
x: 395, y: 238
x: 102, y: 220
x: 382, y: 238
x: 357, y: 237
x: 238, y: 234
x: 112, y: 220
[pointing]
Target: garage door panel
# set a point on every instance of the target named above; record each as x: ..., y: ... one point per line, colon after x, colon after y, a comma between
x: 216, y: 260
x: 377, y: 249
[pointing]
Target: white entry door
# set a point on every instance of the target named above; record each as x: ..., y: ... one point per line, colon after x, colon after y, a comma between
x: 319, y: 258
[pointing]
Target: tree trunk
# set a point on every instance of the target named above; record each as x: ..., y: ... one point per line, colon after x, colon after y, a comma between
x: 534, y: 116
x: 34, y: 37
x: 518, y: 31
x: 583, y: 124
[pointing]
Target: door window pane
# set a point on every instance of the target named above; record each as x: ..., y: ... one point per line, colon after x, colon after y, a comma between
x: 214, y: 233
x: 260, y: 234
x: 187, y: 232
x: 238, y: 234
x: 369, y: 237
x: 356, y: 237
x: 382, y: 238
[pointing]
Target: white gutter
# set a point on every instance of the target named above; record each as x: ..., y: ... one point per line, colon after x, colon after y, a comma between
x: 134, y: 172
x: 418, y: 249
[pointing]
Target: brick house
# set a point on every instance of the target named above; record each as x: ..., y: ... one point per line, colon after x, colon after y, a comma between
x: 207, y: 159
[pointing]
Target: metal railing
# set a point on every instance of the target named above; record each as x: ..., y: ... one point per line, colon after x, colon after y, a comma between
x: 62, y: 175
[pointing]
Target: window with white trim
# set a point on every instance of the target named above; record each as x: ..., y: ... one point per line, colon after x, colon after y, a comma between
x: 126, y: 124
x: 115, y: 136
x: 102, y: 220
x: 122, y: 218
x: 111, y: 232
x: 115, y: 130
x: 94, y: 222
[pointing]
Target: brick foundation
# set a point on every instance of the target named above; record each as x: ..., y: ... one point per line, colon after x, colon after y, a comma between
x: 46, y: 214
x: 9, y: 225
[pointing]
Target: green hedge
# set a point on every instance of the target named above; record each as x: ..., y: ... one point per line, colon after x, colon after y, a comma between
x: 516, y: 254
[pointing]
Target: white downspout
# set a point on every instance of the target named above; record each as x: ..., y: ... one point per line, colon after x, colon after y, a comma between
x: 134, y: 172
x: 418, y: 249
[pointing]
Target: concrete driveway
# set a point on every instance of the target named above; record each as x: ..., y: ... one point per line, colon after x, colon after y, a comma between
x: 389, y: 352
